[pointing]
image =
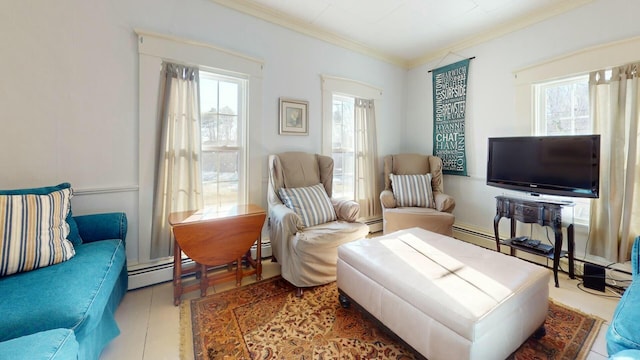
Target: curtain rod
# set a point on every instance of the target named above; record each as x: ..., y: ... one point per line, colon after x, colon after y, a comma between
x: 471, y: 58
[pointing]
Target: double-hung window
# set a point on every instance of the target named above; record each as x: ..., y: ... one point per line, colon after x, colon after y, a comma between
x: 561, y: 107
x: 229, y: 108
x: 343, y: 147
x: 222, y: 114
x: 349, y: 135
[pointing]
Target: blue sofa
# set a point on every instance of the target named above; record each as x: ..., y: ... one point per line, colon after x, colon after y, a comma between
x: 66, y: 311
x: 623, y: 335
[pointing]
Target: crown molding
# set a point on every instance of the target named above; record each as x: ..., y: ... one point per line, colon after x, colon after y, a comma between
x: 265, y: 13
x: 505, y: 28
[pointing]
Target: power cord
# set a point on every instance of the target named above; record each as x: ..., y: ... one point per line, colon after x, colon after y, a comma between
x: 616, y: 295
x: 614, y: 288
x: 607, y: 267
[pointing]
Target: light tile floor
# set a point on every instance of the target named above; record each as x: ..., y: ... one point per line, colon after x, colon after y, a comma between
x: 150, y: 323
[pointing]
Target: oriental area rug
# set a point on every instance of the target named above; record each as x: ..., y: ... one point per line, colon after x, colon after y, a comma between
x: 266, y: 320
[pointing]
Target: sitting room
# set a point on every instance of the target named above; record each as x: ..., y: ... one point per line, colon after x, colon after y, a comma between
x: 244, y: 179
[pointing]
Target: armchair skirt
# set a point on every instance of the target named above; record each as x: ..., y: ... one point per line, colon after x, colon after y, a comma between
x: 429, y: 219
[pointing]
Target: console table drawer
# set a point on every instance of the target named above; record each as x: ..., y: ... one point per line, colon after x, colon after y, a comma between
x: 528, y: 214
x: 545, y: 214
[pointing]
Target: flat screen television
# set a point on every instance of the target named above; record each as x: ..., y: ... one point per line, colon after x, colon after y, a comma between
x: 551, y: 165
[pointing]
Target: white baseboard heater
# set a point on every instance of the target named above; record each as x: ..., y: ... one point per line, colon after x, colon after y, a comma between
x: 375, y: 224
x: 162, y: 271
x: 265, y: 252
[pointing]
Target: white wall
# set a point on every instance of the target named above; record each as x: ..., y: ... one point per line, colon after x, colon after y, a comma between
x: 69, y: 90
x: 491, y: 94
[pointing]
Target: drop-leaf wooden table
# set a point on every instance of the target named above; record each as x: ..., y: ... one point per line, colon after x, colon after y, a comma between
x: 214, y: 238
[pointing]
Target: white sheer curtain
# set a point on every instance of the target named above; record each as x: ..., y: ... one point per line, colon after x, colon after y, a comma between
x: 178, y: 181
x: 615, y: 217
x: 367, y: 187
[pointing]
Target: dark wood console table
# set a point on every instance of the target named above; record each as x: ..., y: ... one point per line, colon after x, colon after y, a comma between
x: 544, y: 213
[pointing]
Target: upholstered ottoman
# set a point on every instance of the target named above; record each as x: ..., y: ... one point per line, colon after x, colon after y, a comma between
x: 445, y: 298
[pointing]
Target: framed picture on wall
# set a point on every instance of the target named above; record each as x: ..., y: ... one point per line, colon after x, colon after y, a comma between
x: 294, y: 117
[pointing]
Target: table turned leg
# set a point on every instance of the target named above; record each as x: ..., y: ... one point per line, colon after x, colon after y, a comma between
x: 204, y: 280
x: 571, y: 248
x: 239, y: 272
x: 512, y: 234
x: 496, y: 232
x: 259, y: 259
x: 557, y: 251
x: 177, y: 274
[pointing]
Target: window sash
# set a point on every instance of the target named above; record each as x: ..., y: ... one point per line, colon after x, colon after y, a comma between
x: 225, y: 135
x: 577, y: 112
x: 342, y: 148
x: 581, y: 211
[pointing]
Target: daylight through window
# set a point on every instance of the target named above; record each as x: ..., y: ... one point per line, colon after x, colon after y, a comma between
x: 222, y: 106
x: 562, y: 108
x: 343, y: 147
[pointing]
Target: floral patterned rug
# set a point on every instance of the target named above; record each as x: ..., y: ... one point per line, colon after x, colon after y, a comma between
x: 266, y: 320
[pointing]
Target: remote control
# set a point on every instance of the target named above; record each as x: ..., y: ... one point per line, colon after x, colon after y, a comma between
x: 520, y: 239
x: 545, y: 248
x: 531, y: 243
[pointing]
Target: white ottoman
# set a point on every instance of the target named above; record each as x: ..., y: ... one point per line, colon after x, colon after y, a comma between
x: 445, y: 298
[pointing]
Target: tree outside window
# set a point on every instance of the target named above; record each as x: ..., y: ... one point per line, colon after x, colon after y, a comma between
x: 221, y: 99
x: 562, y: 108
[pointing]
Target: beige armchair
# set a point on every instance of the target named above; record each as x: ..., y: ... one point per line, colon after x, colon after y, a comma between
x: 437, y: 219
x: 307, y: 254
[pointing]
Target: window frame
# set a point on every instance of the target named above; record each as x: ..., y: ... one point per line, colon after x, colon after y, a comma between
x: 539, y: 102
x: 242, y: 83
x: 153, y: 48
x: 344, y: 150
x: 335, y: 86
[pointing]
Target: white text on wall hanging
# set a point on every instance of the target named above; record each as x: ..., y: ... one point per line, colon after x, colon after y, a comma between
x: 449, y: 104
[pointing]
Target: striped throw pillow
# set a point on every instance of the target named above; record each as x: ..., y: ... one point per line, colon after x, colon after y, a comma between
x: 74, y: 233
x: 412, y: 190
x: 311, y: 203
x: 33, y: 231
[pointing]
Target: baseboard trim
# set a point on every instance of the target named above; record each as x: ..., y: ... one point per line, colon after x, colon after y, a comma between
x: 473, y: 235
x: 143, y: 275
x: 150, y: 274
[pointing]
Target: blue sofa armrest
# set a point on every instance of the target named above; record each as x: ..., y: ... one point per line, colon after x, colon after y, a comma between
x: 104, y: 226
x: 624, y: 330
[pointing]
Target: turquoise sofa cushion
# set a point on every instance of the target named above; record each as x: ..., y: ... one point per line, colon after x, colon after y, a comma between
x: 73, y: 294
x: 74, y: 234
x: 57, y: 344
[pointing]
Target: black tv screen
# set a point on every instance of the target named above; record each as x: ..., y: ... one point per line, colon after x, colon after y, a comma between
x: 552, y: 165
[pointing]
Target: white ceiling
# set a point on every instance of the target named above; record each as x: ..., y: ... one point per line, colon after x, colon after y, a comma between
x: 405, y: 32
